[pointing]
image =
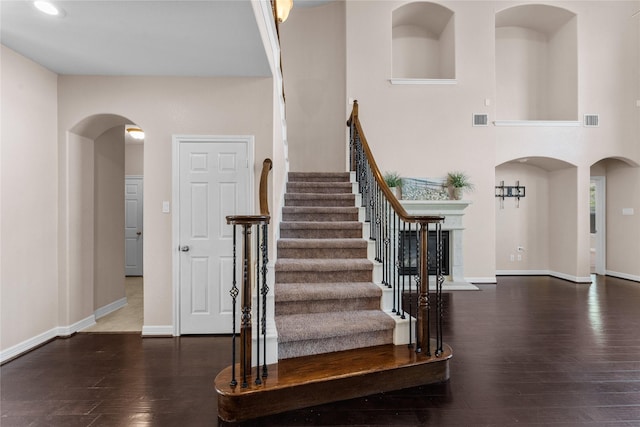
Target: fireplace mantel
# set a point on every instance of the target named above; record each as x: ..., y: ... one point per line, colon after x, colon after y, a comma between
x: 452, y: 211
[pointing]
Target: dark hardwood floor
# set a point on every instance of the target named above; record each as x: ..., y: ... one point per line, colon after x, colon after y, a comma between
x: 528, y: 351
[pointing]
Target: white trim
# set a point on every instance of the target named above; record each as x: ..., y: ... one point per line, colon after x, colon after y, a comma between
x: 627, y: 276
x: 398, y: 81
x: 27, y: 345
x: 543, y: 123
x: 559, y: 275
x: 65, y: 331
x: 33, y: 342
x: 176, y: 140
x: 490, y: 279
x: 157, y: 331
x: 134, y: 177
x: 110, y: 308
x: 601, y: 224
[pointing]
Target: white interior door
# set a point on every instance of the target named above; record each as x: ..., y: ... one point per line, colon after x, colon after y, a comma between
x: 133, y: 235
x: 599, y: 237
x: 214, y: 182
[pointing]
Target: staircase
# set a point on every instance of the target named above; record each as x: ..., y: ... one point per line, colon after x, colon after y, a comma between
x: 334, y: 340
x: 325, y: 298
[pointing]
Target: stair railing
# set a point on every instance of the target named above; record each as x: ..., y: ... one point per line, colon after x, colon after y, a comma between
x: 258, y: 225
x: 401, y: 245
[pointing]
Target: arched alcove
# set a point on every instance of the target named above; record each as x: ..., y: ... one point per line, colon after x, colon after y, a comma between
x: 536, y: 63
x: 423, y: 42
x: 535, y: 234
x: 93, y: 215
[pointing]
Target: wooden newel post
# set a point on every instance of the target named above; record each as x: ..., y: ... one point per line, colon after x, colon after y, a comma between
x: 245, y: 325
x: 423, y: 338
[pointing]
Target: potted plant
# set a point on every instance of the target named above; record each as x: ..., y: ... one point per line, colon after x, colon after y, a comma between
x: 457, y: 182
x: 394, y: 182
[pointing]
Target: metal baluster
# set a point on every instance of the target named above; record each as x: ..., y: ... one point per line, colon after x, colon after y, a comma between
x: 258, y: 380
x: 234, y: 295
x: 265, y: 291
x: 245, y: 349
x: 440, y: 281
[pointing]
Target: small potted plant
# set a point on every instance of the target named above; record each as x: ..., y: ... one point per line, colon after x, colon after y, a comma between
x: 457, y: 182
x: 394, y: 182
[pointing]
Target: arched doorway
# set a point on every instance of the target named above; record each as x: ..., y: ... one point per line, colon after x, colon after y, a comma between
x: 93, y: 219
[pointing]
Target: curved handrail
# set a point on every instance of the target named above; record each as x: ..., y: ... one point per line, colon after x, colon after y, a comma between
x: 267, y: 165
x: 397, y: 206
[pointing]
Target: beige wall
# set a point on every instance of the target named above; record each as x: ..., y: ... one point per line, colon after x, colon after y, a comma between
x: 134, y: 159
x: 28, y: 201
x: 524, y: 225
x: 108, y: 198
x: 623, y: 231
x: 313, y: 62
x: 164, y: 107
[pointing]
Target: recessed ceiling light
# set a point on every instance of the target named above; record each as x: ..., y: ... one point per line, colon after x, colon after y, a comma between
x: 48, y: 8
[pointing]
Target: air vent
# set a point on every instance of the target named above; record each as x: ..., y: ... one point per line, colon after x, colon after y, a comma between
x: 480, y: 120
x: 591, y: 120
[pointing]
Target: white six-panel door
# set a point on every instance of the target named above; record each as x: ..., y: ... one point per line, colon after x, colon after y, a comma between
x: 133, y: 233
x: 214, y: 182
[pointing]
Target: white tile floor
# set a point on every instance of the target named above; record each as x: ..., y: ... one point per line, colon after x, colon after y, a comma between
x: 128, y: 318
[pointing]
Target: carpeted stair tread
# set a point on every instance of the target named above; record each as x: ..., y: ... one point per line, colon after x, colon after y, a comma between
x: 286, y: 292
x: 315, y: 213
x: 319, y: 199
x: 319, y: 176
x: 324, y: 326
x: 319, y: 187
x: 308, y: 264
x: 320, y: 225
x: 322, y: 243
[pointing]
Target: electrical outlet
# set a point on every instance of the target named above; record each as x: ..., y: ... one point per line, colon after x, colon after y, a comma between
x: 512, y: 257
x: 519, y: 257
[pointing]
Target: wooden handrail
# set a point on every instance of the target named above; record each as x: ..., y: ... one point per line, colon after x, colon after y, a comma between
x: 397, y: 206
x: 264, y: 199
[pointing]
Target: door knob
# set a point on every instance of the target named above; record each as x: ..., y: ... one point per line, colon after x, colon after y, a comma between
x: 139, y: 233
x: 184, y: 248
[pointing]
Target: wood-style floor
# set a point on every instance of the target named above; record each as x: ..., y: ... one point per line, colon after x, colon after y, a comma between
x: 528, y: 351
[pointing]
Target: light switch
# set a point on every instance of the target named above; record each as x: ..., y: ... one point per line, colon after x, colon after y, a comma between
x: 165, y: 206
x: 627, y: 211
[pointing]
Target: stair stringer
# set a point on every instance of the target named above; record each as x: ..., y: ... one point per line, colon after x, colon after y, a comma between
x: 401, y: 331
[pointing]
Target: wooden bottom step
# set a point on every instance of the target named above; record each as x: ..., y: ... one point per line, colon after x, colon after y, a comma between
x: 313, y: 380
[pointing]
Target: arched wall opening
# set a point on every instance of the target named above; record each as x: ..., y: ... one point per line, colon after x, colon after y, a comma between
x: 537, y: 234
x: 536, y: 63
x: 615, y: 228
x: 93, y: 218
x: 423, y: 41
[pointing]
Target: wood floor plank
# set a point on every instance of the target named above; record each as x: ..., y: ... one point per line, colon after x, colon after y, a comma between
x: 529, y: 351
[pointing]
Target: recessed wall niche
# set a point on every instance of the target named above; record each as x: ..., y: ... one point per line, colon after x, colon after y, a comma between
x: 536, y: 63
x: 423, y: 42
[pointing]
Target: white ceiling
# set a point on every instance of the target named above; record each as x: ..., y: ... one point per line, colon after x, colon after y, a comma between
x: 150, y: 37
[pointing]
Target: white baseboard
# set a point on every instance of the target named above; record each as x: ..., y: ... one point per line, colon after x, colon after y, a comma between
x: 157, y: 331
x: 623, y: 275
x: 31, y: 343
x: 110, y: 308
x: 65, y: 331
x: 559, y: 275
x: 490, y: 279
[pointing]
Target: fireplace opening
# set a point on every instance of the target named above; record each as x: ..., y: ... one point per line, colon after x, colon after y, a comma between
x: 408, y: 249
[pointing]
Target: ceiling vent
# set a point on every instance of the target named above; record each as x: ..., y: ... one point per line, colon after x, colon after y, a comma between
x: 480, y: 120
x: 591, y: 120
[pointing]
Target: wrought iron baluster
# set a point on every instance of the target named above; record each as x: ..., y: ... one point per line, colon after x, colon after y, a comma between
x: 258, y: 381
x: 234, y: 295
x: 265, y: 291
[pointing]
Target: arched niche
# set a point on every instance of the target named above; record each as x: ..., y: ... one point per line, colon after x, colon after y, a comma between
x: 423, y: 42
x: 536, y: 63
